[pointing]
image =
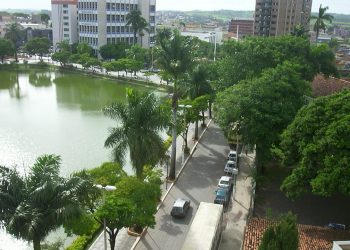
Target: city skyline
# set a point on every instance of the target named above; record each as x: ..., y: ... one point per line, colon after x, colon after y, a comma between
x: 335, y: 6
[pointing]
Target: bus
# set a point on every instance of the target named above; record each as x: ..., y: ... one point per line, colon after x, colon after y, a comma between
x: 205, y: 230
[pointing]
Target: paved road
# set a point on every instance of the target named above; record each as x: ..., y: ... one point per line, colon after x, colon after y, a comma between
x: 197, y: 182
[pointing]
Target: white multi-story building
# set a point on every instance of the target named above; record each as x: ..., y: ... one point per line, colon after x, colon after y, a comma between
x: 64, y: 21
x: 104, y: 21
x: 100, y: 22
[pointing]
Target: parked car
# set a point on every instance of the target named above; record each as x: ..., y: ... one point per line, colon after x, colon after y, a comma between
x: 230, y: 168
x: 232, y: 156
x: 222, y: 196
x: 225, y: 182
x: 336, y: 226
x: 180, y: 208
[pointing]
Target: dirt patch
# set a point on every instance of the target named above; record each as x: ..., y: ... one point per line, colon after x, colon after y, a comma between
x: 310, y: 209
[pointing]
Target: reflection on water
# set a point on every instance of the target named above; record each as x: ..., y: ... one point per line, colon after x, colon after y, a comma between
x: 53, y: 112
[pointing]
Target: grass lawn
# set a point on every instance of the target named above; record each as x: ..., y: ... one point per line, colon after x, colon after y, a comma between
x: 310, y: 209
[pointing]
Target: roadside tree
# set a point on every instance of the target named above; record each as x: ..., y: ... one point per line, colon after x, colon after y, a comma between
x: 6, y: 49
x: 38, y: 45
x: 317, y: 143
x: 14, y: 33
x: 175, y: 58
x: 137, y: 22
x: 141, y: 119
x: 261, y: 108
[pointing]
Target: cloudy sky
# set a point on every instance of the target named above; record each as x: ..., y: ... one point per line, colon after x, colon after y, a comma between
x: 335, y: 6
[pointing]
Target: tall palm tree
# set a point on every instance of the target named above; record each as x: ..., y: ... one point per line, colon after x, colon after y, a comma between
x: 141, y: 120
x: 14, y: 33
x: 137, y: 22
x: 321, y: 20
x: 175, y: 58
x: 32, y: 206
x: 199, y: 85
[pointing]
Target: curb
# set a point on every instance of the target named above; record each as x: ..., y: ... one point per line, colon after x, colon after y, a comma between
x: 176, y: 178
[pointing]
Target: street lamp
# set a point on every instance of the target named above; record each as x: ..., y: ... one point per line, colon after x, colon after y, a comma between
x: 107, y: 188
x: 183, y: 144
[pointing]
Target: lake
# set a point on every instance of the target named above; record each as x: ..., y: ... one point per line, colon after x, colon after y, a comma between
x: 55, y: 112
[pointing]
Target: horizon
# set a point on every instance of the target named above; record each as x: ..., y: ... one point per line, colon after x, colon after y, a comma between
x: 335, y: 6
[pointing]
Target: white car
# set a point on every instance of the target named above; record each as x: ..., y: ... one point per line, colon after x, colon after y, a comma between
x: 225, y: 182
x: 230, y: 168
x: 232, y: 156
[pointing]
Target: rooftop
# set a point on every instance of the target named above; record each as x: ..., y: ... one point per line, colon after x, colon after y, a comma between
x: 310, y: 237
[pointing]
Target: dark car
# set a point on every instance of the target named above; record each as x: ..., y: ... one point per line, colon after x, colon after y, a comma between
x: 222, y: 196
x: 336, y: 226
x: 180, y: 208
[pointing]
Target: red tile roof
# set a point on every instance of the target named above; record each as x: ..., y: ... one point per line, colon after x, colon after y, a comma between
x: 310, y: 237
x: 322, y: 86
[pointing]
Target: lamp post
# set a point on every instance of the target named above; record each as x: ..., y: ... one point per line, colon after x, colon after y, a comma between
x: 107, y: 188
x: 184, y: 144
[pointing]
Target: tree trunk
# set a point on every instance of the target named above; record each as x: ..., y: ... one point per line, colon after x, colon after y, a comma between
x: 196, y: 130
x: 210, y: 106
x: 186, y: 144
x: 203, y: 119
x: 172, y: 172
x: 36, y: 243
x: 16, y: 57
x: 112, y: 236
x: 135, y: 37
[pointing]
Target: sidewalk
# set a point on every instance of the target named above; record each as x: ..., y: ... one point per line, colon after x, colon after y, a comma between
x: 236, y: 217
x: 123, y: 240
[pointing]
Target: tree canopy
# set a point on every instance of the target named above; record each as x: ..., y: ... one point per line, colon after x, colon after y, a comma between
x: 317, y: 143
x: 321, y: 19
x: 38, y: 45
x: 261, y: 108
x: 6, y: 49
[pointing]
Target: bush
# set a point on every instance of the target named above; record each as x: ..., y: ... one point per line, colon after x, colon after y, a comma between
x: 283, y: 236
x: 79, y: 243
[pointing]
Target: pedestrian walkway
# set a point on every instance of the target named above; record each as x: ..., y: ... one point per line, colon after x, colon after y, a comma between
x: 123, y: 240
x: 236, y: 217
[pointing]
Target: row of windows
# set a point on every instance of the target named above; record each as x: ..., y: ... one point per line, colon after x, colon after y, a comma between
x: 120, y: 7
x: 90, y: 29
x: 116, y: 18
x: 88, y: 17
x: 119, y: 29
x: 89, y: 5
x: 90, y: 40
x: 115, y: 40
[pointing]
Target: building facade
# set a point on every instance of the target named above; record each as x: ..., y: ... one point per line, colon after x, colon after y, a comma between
x: 279, y: 17
x: 64, y: 21
x: 241, y: 27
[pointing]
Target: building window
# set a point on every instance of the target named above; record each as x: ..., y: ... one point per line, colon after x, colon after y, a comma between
x: 65, y: 18
x: 66, y: 29
x: 65, y: 5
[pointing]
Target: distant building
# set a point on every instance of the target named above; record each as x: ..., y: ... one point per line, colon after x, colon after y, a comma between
x: 3, y: 21
x: 241, y: 27
x: 64, y: 21
x: 104, y: 22
x: 279, y: 17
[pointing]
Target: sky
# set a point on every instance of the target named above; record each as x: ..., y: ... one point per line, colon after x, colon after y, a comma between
x: 335, y: 6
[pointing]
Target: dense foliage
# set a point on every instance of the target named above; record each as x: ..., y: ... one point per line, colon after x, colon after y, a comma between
x: 283, y: 236
x: 317, y: 142
x: 261, y: 108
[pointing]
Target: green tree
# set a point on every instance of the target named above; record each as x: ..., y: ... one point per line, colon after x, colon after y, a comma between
x: 84, y: 48
x: 14, y: 33
x: 201, y: 105
x: 175, y: 58
x: 63, y: 57
x: 323, y: 60
x: 199, y: 85
x: 283, y: 236
x: 6, y: 49
x: 38, y: 45
x: 261, y: 108
x: 321, y: 19
x: 108, y: 52
x: 137, y: 53
x: 137, y: 22
x: 299, y: 30
x: 32, y: 206
x: 141, y: 119
x: 45, y: 18
x: 317, y: 143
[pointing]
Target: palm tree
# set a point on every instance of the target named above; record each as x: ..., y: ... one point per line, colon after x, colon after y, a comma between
x: 320, y: 20
x: 199, y: 85
x: 14, y: 33
x: 175, y: 58
x: 141, y: 119
x: 32, y: 206
x: 137, y: 22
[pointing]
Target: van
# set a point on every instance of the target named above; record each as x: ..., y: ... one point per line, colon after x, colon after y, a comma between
x: 180, y: 208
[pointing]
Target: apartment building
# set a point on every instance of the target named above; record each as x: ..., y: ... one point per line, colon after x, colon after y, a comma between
x: 64, y: 21
x: 241, y: 27
x: 279, y: 17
